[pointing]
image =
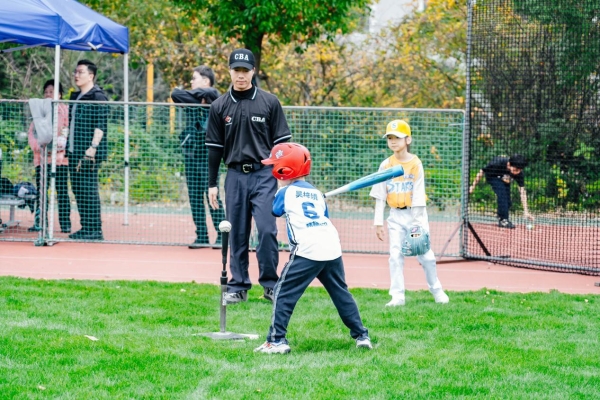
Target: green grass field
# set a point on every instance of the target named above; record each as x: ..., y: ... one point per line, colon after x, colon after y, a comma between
x: 483, y: 344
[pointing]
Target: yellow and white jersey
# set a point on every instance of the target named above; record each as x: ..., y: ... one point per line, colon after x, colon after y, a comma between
x: 407, y: 190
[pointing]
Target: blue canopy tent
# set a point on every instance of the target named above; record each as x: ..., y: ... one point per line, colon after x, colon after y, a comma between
x: 65, y: 23
x: 70, y: 25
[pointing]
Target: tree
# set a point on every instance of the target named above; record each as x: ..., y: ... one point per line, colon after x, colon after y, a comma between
x: 163, y: 34
x: 282, y: 21
x: 319, y: 76
x: 417, y: 62
x: 535, y: 88
x: 421, y: 61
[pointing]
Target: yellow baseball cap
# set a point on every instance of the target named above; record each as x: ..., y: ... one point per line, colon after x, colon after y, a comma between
x: 397, y: 128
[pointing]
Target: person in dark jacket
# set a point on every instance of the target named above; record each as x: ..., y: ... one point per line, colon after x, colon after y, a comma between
x: 195, y: 152
x: 499, y: 173
x: 87, y: 147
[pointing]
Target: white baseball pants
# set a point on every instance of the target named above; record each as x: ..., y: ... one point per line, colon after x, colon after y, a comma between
x: 399, y: 223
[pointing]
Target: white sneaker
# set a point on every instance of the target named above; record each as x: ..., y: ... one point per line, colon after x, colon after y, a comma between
x: 273, y: 348
x: 396, y: 301
x: 441, y: 297
x: 363, y: 342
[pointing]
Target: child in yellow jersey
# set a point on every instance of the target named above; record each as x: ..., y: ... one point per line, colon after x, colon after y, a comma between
x: 406, y: 197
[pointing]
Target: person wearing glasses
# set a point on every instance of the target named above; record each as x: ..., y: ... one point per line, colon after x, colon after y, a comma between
x: 87, y: 147
x: 195, y: 152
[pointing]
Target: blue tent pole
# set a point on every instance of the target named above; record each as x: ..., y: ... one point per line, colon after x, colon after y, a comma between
x: 126, y: 133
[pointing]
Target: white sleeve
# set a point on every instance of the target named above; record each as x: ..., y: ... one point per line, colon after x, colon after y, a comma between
x: 379, y: 209
x: 379, y: 190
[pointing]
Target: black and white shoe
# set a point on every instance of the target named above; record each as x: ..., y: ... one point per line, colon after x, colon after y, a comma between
x: 504, y: 223
x: 268, y: 294
x: 364, y: 342
x: 236, y: 297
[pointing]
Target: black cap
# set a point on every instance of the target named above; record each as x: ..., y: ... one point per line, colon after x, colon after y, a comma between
x: 241, y: 58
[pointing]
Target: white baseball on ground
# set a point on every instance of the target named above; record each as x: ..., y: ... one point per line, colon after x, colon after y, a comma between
x: 225, y: 226
x: 529, y: 226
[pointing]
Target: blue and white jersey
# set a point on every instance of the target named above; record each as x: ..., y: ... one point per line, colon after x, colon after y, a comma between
x: 310, y: 232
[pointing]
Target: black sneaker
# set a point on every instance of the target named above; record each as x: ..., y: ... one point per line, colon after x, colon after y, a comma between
x: 91, y: 236
x: 77, y: 234
x: 504, y: 223
x: 268, y: 294
x: 236, y: 297
x: 199, y: 244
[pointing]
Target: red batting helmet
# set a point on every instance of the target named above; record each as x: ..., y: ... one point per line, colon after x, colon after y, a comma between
x: 289, y: 160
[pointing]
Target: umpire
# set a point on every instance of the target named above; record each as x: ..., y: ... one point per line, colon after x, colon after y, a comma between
x: 243, y: 126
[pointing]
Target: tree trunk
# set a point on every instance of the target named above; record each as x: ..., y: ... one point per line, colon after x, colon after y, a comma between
x: 254, y: 44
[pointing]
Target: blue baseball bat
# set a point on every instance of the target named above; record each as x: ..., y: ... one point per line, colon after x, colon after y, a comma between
x: 368, y: 180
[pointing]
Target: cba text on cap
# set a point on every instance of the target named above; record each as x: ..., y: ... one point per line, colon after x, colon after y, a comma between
x: 241, y: 58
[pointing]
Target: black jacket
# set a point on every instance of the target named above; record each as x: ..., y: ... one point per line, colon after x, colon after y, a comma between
x: 87, y: 118
x: 192, y: 136
x: 497, y: 168
x: 195, y: 95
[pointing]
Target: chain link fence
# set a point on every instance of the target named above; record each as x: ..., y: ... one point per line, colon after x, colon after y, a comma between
x: 144, y: 194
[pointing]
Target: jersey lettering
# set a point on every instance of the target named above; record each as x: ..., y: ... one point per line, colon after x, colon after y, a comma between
x: 315, y: 223
x: 399, y: 187
x: 258, y: 119
x: 309, y: 210
x: 308, y: 195
x: 308, y: 227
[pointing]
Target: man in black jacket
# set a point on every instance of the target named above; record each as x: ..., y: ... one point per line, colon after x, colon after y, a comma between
x: 195, y: 152
x: 87, y: 147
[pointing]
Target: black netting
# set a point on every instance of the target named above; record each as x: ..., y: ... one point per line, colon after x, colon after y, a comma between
x: 534, y: 74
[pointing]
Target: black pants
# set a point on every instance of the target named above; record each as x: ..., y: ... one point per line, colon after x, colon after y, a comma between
x: 196, y: 176
x: 62, y: 193
x: 502, y: 191
x: 297, y: 274
x: 84, y: 182
x: 246, y: 196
